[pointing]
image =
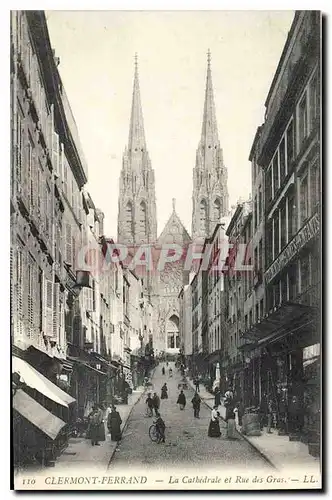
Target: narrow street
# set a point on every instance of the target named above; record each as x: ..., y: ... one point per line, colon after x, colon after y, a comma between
x: 187, y: 442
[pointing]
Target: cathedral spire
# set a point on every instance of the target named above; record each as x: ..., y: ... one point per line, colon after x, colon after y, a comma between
x: 136, y: 139
x: 209, y: 127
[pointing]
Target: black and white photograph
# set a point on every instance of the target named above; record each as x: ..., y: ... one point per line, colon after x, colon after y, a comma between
x: 165, y: 249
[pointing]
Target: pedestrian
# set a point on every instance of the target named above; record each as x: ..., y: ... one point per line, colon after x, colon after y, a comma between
x: 163, y: 370
x: 149, y: 403
x: 160, y: 426
x: 294, y: 417
x: 214, y: 427
x: 230, y: 415
x: 217, y: 397
x: 240, y: 412
x: 181, y: 400
x: 263, y: 411
x: 196, y: 383
x: 95, y: 426
x: 164, y: 394
x: 270, y: 409
x: 114, y: 422
x: 196, y: 402
x: 170, y: 372
x: 156, y: 403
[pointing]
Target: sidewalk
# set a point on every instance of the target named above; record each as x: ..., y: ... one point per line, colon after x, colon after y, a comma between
x: 277, y: 450
x: 80, y: 453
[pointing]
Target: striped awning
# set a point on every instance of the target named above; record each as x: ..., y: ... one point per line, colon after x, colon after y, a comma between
x: 31, y: 377
x: 37, y: 415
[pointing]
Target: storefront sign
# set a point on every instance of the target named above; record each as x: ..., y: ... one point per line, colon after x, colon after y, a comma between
x: 303, y: 236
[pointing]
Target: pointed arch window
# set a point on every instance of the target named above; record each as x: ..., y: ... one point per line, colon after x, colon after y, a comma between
x: 142, y: 221
x: 203, y: 216
x: 129, y: 217
x: 217, y: 210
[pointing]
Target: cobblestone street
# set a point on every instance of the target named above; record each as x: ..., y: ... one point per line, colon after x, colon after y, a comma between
x: 187, y: 442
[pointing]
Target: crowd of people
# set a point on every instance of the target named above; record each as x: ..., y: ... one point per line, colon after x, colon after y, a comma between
x: 153, y: 406
x: 97, y: 417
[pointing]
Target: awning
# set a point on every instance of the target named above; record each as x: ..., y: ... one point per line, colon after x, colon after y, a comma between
x: 278, y: 321
x: 86, y: 365
x: 103, y: 360
x: 37, y: 414
x: 31, y: 377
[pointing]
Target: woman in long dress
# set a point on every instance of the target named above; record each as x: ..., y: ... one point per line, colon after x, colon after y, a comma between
x: 114, y: 424
x: 214, y: 427
x: 164, y: 394
x: 230, y: 415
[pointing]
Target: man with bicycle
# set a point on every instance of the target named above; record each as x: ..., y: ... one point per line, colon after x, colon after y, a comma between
x: 160, y: 427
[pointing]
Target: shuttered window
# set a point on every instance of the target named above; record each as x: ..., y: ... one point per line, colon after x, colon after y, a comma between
x: 19, y: 143
x: 73, y: 250
x: 56, y: 311
x: 55, y: 153
x: 48, y: 306
x: 48, y: 208
x: 12, y: 286
x: 19, y: 290
x: 69, y: 243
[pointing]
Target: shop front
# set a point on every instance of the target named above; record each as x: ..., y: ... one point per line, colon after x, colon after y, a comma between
x: 288, y: 341
x: 41, y: 415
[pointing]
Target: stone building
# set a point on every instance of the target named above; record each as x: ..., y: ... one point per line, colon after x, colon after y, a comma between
x: 210, y: 192
x: 238, y: 279
x: 185, y: 328
x: 137, y: 219
x: 60, y: 311
x: 137, y: 224
x: 288, y: 151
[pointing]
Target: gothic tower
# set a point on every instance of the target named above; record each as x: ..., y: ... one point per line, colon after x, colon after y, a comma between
x: 210, y: 193
x: 137, y: 217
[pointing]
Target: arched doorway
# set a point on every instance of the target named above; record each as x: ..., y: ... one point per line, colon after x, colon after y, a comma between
x: 172, y: 333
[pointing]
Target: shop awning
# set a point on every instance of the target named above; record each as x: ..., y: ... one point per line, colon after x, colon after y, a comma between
x: 86, y: 365
x: 103, y: 360
x: 278, y: 321
x: 35, y: 413
x: 31, y: 377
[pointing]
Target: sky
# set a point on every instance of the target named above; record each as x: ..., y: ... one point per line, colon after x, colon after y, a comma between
x: 96, y: 51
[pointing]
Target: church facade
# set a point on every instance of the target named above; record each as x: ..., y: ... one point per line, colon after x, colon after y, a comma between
x: 137, y: 212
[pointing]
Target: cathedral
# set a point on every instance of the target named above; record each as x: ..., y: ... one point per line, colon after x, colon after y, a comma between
x: 137, y: 210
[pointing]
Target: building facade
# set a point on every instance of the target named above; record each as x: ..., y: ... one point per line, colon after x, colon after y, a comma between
x: 288, y: 151
x: 71, y: 329
x: 185, y: 328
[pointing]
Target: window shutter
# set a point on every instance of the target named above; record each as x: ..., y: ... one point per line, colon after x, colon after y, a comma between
x: 19, y: 291
x: 68, y: 244
x: 65, y: 172
x: 73, y: 252
x: 30, y: 315
x: 48, y: 307
x: 62, y: 340
x: 56, y: 312
x: 55, y: 153
x: 13, y: 283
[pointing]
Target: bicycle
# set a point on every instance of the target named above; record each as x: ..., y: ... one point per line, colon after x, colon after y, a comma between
x: 153, y: 433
